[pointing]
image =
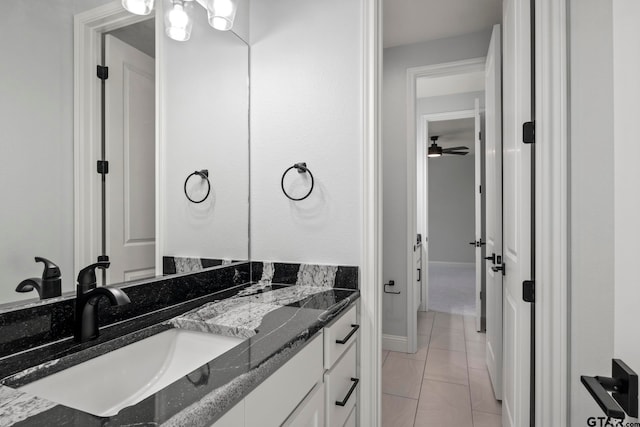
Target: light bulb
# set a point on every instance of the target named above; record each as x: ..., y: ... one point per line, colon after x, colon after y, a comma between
x: 178, y: 23
x: 221, y: 13
x: 138, y: 7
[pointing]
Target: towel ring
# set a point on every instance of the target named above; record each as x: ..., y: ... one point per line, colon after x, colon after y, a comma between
x: 204, y: 174
x: 301, y: 168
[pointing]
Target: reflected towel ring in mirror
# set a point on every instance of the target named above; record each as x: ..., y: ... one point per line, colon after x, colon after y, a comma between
x: 301, y: 168
x: 204, y: 174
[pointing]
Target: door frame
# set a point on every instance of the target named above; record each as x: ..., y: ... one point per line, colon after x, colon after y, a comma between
x: 87, y: 133
x: 413, y: 74
x: 552, y: 308
x: 421, y: 158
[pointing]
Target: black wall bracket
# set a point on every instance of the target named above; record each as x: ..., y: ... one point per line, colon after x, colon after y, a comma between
x: 624, y: 388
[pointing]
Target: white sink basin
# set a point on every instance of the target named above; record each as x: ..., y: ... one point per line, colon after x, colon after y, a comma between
x: 104, y: 385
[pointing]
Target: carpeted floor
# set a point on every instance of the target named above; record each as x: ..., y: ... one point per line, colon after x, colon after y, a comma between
x: 452, y: 288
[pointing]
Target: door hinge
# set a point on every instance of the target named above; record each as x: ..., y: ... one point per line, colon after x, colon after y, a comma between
x: 481, y: 295
x: 103, y: 167
x: 103, y: 258
x: 480, y: 189
x: 529, y: 132
x: 102, y: 72
x: 529, y: 291
x: 480, y: 136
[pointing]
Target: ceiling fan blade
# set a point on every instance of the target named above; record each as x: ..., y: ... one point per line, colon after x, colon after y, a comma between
x: 457, y: 153
x: 454, y: 148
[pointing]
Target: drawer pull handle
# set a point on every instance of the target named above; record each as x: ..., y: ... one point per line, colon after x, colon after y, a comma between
x: 353, y: 331
x: 351, y: 390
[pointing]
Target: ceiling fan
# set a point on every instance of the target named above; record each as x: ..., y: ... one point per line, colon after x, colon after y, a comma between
x: 436, y: 151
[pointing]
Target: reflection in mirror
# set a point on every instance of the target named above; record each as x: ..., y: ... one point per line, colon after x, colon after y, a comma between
x: 169, y: 108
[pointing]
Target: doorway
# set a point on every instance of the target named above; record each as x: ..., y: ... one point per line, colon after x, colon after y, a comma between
x: 115, y: 143
x: 452, y: 285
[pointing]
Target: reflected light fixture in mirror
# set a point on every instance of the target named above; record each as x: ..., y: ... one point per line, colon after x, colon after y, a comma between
x: 177, y: 20
x: 138, y: 7
x: 221, y: 13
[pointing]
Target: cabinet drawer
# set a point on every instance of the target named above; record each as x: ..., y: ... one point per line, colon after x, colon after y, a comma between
x: 233, y: 418
x: 272, y: 401
x: 310, y: 413
x: 341, y: 387
x: 351, y: 421
x: 335, y: 342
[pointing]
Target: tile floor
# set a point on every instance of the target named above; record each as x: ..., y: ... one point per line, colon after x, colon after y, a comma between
x: 445, y: 383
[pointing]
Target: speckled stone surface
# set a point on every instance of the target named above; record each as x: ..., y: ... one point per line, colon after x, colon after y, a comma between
x: 16, y: 406
x: 334, y: 276
x: 282, y: 320
x: 32, y: 324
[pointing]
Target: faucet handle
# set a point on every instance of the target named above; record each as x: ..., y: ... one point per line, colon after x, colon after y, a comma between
x: 87, y: 276
x: 51, y: 271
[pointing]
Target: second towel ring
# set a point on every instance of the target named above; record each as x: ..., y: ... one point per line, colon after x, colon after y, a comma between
x: 301, y: 168
x: 204, y: 174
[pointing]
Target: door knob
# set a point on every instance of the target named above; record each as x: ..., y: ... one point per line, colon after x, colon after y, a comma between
x: 492, y: 258
x: 499, y: 267
x: 477, y: 243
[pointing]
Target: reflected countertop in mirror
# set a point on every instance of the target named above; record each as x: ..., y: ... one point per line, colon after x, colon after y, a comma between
x: 180, y: 107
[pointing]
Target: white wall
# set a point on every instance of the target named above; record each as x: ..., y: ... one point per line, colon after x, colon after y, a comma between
x: 448, y: 103
x: 396, y: 62
x: 36, y: 147
x: 452, y: 208
x: 626, y: 67
x: 306, y: 106
x: 591, y: 200
x: 205, y: 95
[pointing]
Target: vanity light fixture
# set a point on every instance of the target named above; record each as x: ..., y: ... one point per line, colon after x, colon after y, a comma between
x: 221, y: 13
x: 178, y: 21
x: 138, y: 7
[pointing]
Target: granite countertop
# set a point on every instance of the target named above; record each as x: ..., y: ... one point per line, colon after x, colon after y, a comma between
x: 275, y: 321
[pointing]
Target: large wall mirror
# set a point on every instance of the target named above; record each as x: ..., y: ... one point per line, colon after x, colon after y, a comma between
x: 171, y: 119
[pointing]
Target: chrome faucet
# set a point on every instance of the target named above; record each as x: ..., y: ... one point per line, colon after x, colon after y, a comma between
x: 87, y: 297
x: 49, y: 286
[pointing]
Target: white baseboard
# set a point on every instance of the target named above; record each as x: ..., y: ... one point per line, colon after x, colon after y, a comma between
x: 394, y: 343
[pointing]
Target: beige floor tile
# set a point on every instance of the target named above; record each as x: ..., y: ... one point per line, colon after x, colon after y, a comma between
x: 402, y: 376
x: 482, y: 397
x: 447, y: 339
x: 473, y: 335
x: 424, y: 325
x: 443, y: 405
x: 398, y: 411
x: 421, y: 354
x: 383, y: 356
x: 482, y: 419
x: 429, y: 314
x: 451, y: 321
x: 478, y: 349
x: 476, y: 361
x: 446, y: 365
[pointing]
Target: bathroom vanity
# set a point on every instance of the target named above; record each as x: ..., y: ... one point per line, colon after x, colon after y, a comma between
x: 287, y: 355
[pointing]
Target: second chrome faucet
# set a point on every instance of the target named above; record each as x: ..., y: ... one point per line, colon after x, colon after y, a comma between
x: 87, y: 298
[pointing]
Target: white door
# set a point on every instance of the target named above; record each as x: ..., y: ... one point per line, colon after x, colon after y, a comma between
x: 478, y: 215
x: 130, y: 150
x: 493, y: 218
x: 516, y: 49
x: 626, y: 90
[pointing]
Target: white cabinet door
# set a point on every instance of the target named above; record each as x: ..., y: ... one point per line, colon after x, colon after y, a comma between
x: 493, y: 194
x: 271, y: 403
x: 233, y: 418
x: 310, y: 413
